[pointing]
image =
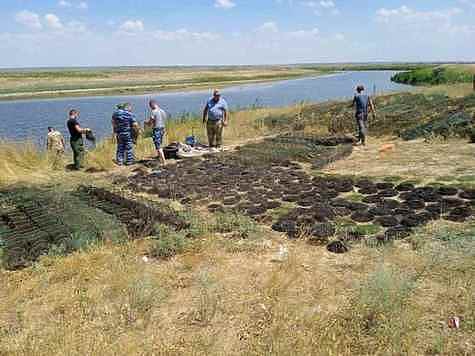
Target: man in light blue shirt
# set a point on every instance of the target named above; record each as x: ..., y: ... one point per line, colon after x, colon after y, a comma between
x: 215, y: 114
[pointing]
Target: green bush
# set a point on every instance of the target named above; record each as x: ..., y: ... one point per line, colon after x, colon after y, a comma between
x: 2, y: 247
x: 433, y: 76
x: 471, y: 134
x: 168, y: 243
x: 243, y: 226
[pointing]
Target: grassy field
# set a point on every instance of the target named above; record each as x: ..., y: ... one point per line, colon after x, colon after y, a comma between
x: 23, y: 84
x: 221, y: 287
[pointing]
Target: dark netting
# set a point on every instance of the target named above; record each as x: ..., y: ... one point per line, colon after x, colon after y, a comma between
x: 260, y: 178
x: 35, y: 222
x: 139, y: 217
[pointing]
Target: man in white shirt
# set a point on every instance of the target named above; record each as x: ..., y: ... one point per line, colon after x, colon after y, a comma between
x: 157, y: 121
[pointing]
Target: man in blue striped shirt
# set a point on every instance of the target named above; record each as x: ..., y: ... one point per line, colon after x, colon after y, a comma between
x: 123, y: 124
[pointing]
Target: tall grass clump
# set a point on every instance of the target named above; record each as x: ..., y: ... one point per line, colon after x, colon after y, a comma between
x: 102, y: 157
x: 241, y: 226
x: 168, y: 243
x: 20, y: 160
x: 243, y: 125
x: 378, y: 317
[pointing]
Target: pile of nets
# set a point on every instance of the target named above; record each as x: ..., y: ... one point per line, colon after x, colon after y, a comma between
x: 140, y: 217
x: 39, y: 221
x: 406, y: 115
x: 457, y: 124
x: 319, y: 151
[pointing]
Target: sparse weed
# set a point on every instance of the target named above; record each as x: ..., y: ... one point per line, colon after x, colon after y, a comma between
x: 207, y: 301
x: 141, y: 298
x: 168, y: 243
x: 242, y: 226
x: 377, y: 316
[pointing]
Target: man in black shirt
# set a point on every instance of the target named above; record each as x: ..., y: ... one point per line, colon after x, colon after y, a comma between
x: 77, y: 143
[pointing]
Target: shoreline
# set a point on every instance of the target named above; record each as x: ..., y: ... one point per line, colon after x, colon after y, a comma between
x: 109, y: 82
x: 144, y: 89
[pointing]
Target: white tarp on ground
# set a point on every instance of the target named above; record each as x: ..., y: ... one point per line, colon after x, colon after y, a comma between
x: 186, y: 151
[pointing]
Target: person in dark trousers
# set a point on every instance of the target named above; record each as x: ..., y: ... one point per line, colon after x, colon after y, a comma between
x: 215, y: 115
x: 364, y: 105
x: 76, y: 140
x: 123, y: 124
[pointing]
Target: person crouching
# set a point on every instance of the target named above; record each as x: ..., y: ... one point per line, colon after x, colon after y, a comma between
x: 123, y: 124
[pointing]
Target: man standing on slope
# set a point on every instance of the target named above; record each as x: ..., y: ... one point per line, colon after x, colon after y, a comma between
x: 215, y: 114
x: 364, y: 105
x: 157, y: 121
x: 77, y: 142
x: 55, y: 146
x: 55, y: 142
x: 123, y: 123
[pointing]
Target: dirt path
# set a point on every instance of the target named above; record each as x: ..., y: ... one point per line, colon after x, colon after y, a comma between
x: 410, y: 159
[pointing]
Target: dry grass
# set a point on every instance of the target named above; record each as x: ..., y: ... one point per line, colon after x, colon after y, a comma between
x: 101, y: 158
x: 469, y: 67
x: 23, y: 161
x: 452, y: 90
x: 426, y: 161
x: 218, y: 301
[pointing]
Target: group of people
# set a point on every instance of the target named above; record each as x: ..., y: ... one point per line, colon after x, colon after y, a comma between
x: 215, y: 116
x: 126, y: 129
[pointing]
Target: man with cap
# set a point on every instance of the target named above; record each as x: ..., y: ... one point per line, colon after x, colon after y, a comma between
x: 364, y: 105
x: 215, y: 114
x: 123, y: 124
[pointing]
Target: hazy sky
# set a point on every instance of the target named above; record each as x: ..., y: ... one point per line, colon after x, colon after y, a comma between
x: 170, y: 32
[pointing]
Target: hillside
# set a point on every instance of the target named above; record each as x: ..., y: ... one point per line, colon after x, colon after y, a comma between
x: 291, y: 242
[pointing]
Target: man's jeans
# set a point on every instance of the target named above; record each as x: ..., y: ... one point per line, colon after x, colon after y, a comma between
x: 362, y: 124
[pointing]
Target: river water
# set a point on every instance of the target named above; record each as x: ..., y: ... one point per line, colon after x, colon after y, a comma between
x: 29, y: 119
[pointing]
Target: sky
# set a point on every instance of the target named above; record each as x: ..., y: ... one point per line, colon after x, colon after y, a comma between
x: 37, y: 33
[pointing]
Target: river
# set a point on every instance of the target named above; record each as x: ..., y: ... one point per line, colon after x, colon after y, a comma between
x: 29, y: 119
